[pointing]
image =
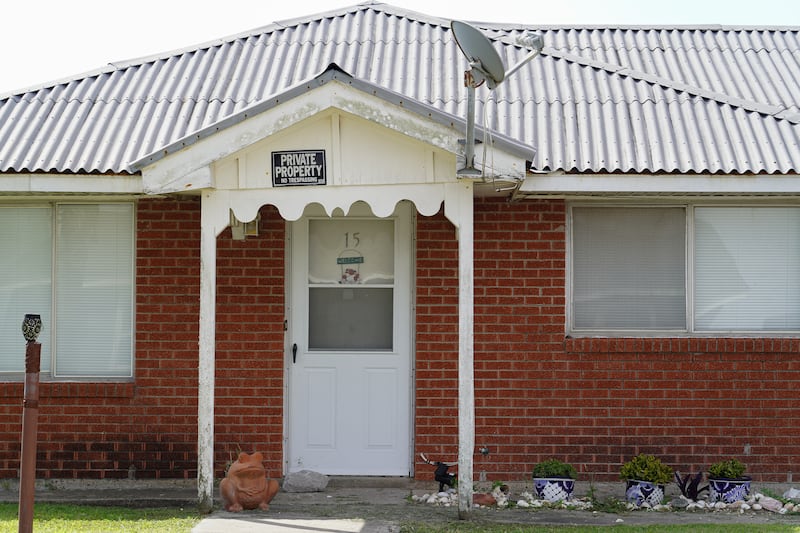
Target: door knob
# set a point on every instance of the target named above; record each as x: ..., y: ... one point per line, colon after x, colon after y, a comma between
x: 294, y: 353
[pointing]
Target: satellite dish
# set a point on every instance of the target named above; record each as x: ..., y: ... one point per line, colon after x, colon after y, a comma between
x: 484, y: 65
x: 480, y: 53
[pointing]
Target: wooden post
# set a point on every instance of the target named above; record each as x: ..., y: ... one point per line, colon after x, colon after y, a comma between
x: 30, y: 425
x: 206, y: 364
x: 459, y: 209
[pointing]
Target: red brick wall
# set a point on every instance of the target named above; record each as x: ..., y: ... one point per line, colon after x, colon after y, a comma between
x: 250, y: 345
x: 436, y: 401
x: 100, y: 430
x: 592, y: 402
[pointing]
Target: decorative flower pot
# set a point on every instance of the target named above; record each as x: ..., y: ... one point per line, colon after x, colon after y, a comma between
x: 31, y: 327
x: 728, y: 490
x: 640, y: 492
x: 554, y: 489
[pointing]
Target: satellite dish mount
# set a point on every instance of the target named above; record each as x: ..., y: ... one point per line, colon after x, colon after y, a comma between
x: 485, y: 65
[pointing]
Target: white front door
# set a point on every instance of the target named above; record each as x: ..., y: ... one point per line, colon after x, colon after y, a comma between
x: 350, y: 344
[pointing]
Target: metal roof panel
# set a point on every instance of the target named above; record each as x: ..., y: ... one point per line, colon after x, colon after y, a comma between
x: 708, y: 99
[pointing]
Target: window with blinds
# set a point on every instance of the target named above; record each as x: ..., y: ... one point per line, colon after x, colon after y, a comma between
x: 687, y: 268
x: 74, y: 265
x: 747, y: 268
x: 629, y: 268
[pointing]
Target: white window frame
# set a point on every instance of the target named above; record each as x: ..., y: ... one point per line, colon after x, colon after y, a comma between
x: 689, y: 205
x: 50, y: 374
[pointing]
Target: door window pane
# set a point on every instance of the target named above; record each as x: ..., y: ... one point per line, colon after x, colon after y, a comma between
x: 350, y: 318
x: 351, y: 251
x: 747, y: 268
x: 629, y: 268
x: 350, y: 274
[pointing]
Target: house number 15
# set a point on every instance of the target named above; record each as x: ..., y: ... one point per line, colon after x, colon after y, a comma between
x: 352, y: 237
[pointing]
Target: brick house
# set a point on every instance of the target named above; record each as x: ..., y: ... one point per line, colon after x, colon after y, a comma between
x: 265, y: 243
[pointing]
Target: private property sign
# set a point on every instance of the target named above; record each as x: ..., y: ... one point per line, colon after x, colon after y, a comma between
x: 298, y: 167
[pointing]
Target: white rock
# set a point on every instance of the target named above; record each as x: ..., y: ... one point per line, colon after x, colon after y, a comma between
x: 789, y: 506
x: 756, y: 506
x: 443, y: 494
x: 720, y: 505
x: 432, y: 499
x: 745, y: 507
x: 523, y: 504
x: 619, y: 520
x: 770, y: 504
x: 305, y: 481
x: 701, y: 504
x: 792, y: 494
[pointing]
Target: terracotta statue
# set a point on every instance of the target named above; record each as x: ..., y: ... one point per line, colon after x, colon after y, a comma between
x: 246, y: 485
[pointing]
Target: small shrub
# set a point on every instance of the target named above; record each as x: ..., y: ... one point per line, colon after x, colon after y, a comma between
x: 690, y: 485
x: 554, y: 468
x: 731, y: 469
x: 646, y: 468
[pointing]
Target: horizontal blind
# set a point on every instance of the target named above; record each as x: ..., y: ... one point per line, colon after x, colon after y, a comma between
x: 628, y: 268
x: 25, y: 281
x: 94, y: 290
x: 747, y: 265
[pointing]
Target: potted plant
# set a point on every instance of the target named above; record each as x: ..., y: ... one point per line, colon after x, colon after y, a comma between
x: 554, y: 480
x: 646, y: 477
x: 727, y: 482
x: 690, y: 485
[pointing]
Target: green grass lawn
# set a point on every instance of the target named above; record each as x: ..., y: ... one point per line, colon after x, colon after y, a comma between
x: 60, y: 518
x: 52, y: 518
x: 466, y: 527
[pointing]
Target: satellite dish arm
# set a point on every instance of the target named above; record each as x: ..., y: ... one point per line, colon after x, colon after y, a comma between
x: 522, y: 63
x: 533, y: 41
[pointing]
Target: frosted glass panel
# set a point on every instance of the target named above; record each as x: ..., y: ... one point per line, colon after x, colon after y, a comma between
x: 747, y: 268
x: 351, y: 251
x: 629, y: 268
x: 350, y: 318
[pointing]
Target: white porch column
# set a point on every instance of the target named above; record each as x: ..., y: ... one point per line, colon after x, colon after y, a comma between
x: 459, y: 209
x: 213, y: 220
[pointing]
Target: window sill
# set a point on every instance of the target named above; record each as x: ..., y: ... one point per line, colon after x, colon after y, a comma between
x: 681, y: 345
x: 71, y: 389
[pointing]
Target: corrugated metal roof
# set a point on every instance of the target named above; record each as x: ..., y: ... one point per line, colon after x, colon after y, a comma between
x: 633, y: 99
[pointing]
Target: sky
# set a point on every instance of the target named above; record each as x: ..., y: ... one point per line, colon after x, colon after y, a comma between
x: 46, y: 40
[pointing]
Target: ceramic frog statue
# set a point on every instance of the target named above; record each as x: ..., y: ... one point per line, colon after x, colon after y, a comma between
x: 246, y: 485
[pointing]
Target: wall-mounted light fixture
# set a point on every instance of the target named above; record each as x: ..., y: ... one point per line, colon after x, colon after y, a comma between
x: 240, y: 230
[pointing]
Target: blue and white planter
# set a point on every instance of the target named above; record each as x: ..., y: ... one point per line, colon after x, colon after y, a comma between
x: 726, y: 490
x: 640, y: 492
x: 553, y: 489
